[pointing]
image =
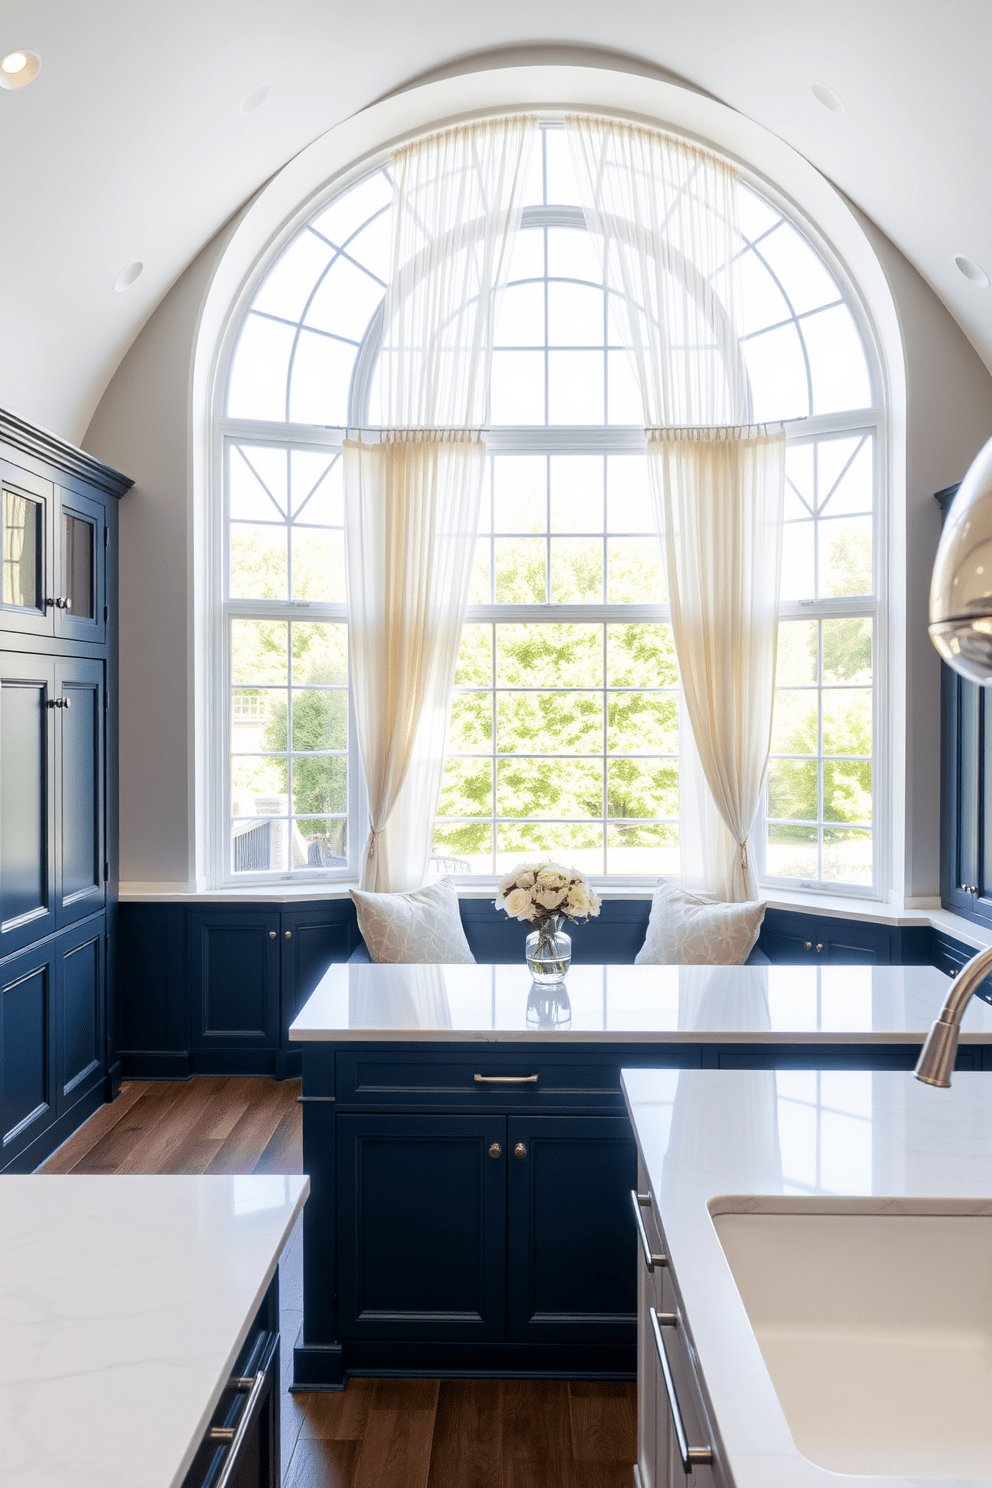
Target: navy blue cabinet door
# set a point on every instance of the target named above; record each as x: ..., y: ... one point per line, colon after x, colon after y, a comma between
x: 421, y: 1226
x: 80, y: 724
x: 80, y: 563
x: 28, y: 729
x: 310, y: 940
x: 571, y: 1263
x: 28, y: 1079
x: 27, y: 518
x: 81, y: 984
x: 234, y: 979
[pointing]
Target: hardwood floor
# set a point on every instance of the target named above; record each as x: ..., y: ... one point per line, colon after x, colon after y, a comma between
x: 396, y: 1433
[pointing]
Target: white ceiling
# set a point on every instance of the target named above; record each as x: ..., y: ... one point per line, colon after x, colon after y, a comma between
x: 130, y: 144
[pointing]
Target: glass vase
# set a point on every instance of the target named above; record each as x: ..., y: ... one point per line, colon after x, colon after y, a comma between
x: 549, y: 952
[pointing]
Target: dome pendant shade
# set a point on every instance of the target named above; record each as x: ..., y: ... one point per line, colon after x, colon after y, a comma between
x: 961, y: 587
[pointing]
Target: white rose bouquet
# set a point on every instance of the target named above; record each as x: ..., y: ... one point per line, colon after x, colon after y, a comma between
x: 539, y: 892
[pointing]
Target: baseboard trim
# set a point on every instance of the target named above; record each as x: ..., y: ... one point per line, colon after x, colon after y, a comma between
x: 329, y: 1366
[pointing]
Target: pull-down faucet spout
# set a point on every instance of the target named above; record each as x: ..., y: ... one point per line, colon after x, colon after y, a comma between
x: 937, y: 1056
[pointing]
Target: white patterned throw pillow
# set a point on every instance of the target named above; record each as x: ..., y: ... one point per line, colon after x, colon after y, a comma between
x: 688, y: 930
x: 420, y: 927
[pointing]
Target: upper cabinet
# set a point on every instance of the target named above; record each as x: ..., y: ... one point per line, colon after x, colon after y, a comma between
x: 54, y: 556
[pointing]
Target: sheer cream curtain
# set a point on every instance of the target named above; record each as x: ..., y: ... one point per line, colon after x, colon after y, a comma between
x: 664, y: 212
x: 412, y: 494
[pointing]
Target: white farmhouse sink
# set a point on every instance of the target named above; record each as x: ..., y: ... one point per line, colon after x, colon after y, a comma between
x: 876, y: 1329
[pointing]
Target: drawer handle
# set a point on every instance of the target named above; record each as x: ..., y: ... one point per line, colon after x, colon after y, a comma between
x: 691, y: 1456
x: 643, y: 1201
x: 505, y: 1079
x: 233, y: 1436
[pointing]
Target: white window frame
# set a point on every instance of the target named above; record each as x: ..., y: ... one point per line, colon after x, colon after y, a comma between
x: 528, y: 439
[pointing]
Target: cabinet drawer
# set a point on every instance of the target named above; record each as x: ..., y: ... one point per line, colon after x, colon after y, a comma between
x: 485, y: 1079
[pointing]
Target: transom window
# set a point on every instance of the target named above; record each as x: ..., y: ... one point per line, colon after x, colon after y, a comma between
x: 564, y: 727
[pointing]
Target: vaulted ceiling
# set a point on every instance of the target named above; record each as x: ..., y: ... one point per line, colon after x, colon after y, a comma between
x: 132, y: 145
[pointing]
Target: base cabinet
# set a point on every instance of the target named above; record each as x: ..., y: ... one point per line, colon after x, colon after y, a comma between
x: 662, y: 1347
x: 52, y: 1040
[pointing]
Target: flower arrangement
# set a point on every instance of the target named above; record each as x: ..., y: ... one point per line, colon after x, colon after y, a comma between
x: 538, y: 892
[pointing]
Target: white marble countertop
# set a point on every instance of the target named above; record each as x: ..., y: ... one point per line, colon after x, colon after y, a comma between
x: 754, y: 1141
x: 123, y: 1304
x: 631, y: 1004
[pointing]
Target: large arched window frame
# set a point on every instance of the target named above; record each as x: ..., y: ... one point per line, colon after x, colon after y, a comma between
x: 302, y: 428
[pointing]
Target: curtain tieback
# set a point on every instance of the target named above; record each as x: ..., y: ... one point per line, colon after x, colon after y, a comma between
x: 374, y: 834
x: 743, y: 848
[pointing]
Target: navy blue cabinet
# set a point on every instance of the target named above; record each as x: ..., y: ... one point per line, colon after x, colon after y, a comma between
x: 58, y: 782
x: 212, y: 989
x: 800, y: 939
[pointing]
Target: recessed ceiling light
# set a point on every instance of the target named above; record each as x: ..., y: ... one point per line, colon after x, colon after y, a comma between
x: 255, y: 98
x: 127, y: 276
x: 19, y: 68
x: 828, y: 98
x: 973, y: 272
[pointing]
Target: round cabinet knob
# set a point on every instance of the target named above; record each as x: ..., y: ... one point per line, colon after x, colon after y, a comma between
x: 809, y: 945
x: 495, y: 1150
x: 272, y: 935
x: 819, y: 945
x: 67, y: 603
x: 289, y: 934
x: 520, y: 1151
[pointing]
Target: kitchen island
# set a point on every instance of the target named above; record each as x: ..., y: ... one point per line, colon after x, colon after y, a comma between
x: 825, y: 1300
x: 125, y: 1304
x: 471, y: 1157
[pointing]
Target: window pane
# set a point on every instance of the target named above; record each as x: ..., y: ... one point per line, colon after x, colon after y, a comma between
x: 349, y: 211
x: 847, y: 856
x: 467, y: 788
x: 256, y: 484
x: 259, y: 652
x: 798, y: 574
x: 344, y: 302
x: 576, y: 570
x: 640, y: 655
x: 289, y: 282
x: 836, y: 361
x: 520, y: 570
x: 792, y: 852
x: 516, y: 388
x: 643, y: 723
x: 575, y: 387
x: 549, y: 722
x: 847, y: 791
x: 320, y: 782
x: 520, y: 493
x: 256, y: 383
x: 847, y: 650
x: 475, y: 657
x: 777, y: 370
x: 623, y: 394
x: 572, y: 255
x: 549, y: 788
x: 845, y: 556
x: 793, y: 789
x: 847, y: 721
x: 317, y: 490
x: 797, y: 644
x: 479, y: 587
x: 320, y: 721
x: 258, y: 562
x: 575, y: 315
x: 576, y: 493
x: 520, y: 318
x: 575, y: 845
x: 320, y: 380
x: 794, y: 724
x: 629, y: 503
x: 320, y: 842
x: 251, y: 714
x: 470, y: 730
x: 468, y: 843
x: 255, y: 778
x: 320, y: 653
x: 318, y: 565
x: 21, y: 551
x: 635, y: 573
x: 549, y: 655
x: 799, y: 269
x: 643, y: 788
x: 642, y: 848
x: 259, y: 845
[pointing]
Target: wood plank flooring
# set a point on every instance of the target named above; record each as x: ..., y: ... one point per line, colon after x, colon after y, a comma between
x: 395, y: 1433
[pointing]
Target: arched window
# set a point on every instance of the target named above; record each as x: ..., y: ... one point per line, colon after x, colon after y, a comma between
x: 564, y: 730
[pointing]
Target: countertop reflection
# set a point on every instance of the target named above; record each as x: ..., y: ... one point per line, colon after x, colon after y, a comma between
x: 627, y: 1004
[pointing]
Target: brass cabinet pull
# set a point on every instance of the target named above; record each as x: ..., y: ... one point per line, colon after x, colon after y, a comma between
x: 691, y: 1456
x: 520, y: 1151
x: 505, y: 1079
x: 643, y: 1201
x: 495, y: 1150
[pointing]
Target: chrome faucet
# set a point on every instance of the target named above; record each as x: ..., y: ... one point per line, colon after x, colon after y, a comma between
x: 937, y: 1056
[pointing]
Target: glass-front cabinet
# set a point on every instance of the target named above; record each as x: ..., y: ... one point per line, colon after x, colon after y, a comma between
x: 54, y: 543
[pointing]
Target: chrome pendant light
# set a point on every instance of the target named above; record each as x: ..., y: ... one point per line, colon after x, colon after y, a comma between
x: 961, y: 587
x: 961, y: 629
